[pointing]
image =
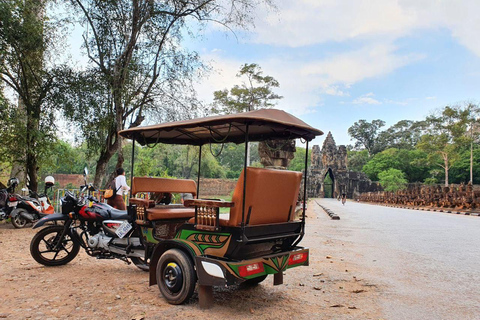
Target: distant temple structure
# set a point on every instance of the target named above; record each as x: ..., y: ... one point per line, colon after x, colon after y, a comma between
x: 329, y: 176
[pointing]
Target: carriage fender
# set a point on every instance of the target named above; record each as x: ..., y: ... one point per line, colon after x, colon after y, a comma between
x: 159, y: 249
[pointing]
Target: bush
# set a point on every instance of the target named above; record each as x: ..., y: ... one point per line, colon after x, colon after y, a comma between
x: 392, y: 180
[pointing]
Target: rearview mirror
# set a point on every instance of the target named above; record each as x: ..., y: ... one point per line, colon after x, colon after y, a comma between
x: 85, y: 171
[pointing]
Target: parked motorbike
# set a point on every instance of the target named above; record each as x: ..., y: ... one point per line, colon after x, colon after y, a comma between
x: 8, y: 200
x: 101, y: 230
x: 30, y: 209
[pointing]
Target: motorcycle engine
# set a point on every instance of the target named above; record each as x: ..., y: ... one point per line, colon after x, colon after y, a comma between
x: 100, y: 240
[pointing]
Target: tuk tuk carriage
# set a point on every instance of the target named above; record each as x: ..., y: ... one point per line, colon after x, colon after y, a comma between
x: 193, y: 242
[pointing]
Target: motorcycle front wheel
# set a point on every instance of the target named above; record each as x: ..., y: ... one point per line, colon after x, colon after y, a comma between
x: 49, y: 248
x: 18, y: 221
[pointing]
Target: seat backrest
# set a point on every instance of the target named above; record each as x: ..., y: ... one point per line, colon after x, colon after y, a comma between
x: 144, y: 184
x: 271, y: 196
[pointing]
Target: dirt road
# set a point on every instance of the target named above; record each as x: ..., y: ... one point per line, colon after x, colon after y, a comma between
x: 88, y: 288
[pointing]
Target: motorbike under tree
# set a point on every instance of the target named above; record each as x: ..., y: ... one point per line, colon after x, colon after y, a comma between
x: 102, y: 231
x: 8, y: 200
x: 30, y: 209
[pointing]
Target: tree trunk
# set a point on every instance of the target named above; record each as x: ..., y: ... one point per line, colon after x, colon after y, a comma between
x: 100, y: 172
x: 471, y: 162
x: 445, y: 161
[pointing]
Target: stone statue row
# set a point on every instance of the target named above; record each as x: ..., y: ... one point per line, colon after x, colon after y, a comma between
x: 458, y: 197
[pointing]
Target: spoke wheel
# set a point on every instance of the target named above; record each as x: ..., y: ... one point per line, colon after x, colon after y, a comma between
x: 18, y: 221
x: 48, y: 248
x: 175, y: 276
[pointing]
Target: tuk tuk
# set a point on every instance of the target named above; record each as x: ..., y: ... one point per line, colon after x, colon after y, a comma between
x: 193, y: 243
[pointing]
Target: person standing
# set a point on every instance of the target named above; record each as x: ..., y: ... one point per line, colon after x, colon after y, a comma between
x: 121, y: 188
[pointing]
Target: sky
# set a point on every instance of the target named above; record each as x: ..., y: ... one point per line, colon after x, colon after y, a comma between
x: 339, y: 61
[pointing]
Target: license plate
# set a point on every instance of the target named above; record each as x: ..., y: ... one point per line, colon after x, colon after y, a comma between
x: 123, y: 229
x: 13, y: 204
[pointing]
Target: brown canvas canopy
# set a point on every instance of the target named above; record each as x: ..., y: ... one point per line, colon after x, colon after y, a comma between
x: 262, y: 124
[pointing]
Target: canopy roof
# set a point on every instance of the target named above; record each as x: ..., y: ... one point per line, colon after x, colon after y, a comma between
x: 264, y: 124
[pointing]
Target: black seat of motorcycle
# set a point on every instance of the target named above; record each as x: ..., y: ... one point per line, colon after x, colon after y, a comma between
x: 116, y: 214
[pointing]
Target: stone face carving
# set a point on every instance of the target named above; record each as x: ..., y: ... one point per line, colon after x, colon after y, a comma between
x: 455, y: 197
x: 276, y: 153
x: 332, y: 162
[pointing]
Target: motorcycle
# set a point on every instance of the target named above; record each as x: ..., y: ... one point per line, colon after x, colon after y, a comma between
x: 30, y: 209
x: 102, y: 231
x: 8, y: 201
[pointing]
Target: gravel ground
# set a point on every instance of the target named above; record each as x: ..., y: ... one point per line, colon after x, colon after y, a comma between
x: 88, y: 288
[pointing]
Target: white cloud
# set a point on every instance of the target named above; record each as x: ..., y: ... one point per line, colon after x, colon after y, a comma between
x: 308, y: 22
x: 366, y: 99
x: 351, y: 67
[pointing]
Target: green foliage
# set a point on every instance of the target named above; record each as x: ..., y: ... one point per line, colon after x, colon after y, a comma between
x: 365, y: 134
x: 27, y: 39
x: 460, y: 170
x: 357, y: 159
x: 255, y: 93
x: 405, y: 134
x: 446, y: 137
x: 392, y: 180
x: 298, y: 162
x: 412, y: 162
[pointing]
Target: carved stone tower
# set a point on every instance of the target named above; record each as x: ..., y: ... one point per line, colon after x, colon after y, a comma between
x: 329, y: 175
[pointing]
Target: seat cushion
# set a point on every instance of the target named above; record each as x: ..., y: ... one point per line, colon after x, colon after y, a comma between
x: 159, y: 213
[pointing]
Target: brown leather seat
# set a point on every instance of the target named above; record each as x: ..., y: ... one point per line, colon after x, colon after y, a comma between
x: 158, y: 213
x: 162, y: 185
x: 145, y: 184
x: 271, y: 197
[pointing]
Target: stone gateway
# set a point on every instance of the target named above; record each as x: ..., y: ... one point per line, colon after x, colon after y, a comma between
x: 329, y: 176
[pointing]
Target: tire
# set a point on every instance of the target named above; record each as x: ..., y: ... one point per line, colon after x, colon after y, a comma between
x: 18, y: 221
x: 140, y: 263
x: 43, y: 243
x: 176, y: 276
x: 255, y: 281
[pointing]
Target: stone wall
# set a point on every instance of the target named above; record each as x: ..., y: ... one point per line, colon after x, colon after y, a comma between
x: 208, y: 187
x: 459, y: 197
x: 64, y: 179
x: 216, y: 187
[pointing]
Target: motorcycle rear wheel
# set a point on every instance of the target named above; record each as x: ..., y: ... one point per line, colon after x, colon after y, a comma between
x: 48, y: 249
x: 18, y: 221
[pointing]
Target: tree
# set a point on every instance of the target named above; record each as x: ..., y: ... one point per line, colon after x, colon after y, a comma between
x: 413, y: 163
x: 357, y: 159
x: 473, y: 135
x: 25, y: 39
x: 298, y: 163
x: 405, y: 134
x: 365, y: 134
x: 256, y: 93
x: 446, y: 137
x: 392, y: 180
x: 135, y: 46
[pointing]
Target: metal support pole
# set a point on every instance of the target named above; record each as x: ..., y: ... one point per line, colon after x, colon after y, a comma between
x: 199, y: 166
x: 305, y: 178
x: 244, y: 181
x: 133, y: 163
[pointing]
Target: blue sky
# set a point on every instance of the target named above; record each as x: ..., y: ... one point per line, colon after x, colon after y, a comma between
x: 340, y: 61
